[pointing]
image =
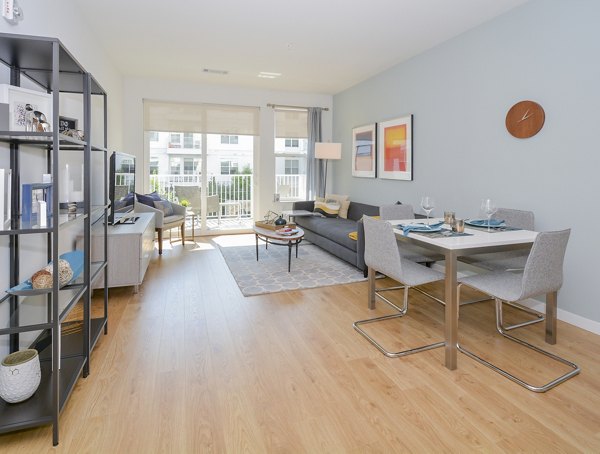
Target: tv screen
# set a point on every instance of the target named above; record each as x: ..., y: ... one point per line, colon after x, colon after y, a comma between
x: 122, y: 185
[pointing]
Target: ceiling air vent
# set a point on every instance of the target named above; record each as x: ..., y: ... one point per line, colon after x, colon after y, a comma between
x: 220, y: 72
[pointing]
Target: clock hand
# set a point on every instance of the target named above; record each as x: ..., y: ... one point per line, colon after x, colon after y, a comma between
x: 525, y: 117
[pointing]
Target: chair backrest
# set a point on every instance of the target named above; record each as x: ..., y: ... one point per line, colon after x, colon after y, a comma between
x: 212, y: 203
x: 381, y: 249
x: 520, y: 219
x: 189, y: 193
x: 396, y: 212
x: 544, y: 268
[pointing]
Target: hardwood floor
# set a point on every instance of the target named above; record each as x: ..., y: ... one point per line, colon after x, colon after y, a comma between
x: 190, y: 365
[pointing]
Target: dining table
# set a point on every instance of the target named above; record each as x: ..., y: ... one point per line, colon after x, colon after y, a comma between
x: 474, y: 240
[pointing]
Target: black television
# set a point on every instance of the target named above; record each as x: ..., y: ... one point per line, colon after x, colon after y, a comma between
x: 121, y: 182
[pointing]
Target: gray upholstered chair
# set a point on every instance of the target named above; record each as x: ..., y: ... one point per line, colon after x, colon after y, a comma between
x: 409, y: 252
x: 162, y: 222
x: 543, y: 274
x: 193, y: 195
x: 511, y: 260
x: 383, y: 255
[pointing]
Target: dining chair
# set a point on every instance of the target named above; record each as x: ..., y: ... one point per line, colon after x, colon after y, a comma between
x: 509, y: 260
x: 542, y: 274
x: 382, y: 255
x: 398, y: 211
x: 193, y: 195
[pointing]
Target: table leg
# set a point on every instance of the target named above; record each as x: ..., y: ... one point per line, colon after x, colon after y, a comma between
x: 451, y: 311
x: 551, y: 303
x: 289, y: 256
x: 256, y: 247
x: 297, y: 248
x: 371, y: 274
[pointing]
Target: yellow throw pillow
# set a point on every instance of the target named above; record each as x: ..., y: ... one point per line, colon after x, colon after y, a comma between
x: 327, y: 209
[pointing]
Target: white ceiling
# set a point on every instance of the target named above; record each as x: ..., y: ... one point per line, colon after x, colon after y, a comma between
x: 320, y: 46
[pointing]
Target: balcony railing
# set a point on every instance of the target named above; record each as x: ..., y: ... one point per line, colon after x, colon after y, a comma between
x: 235, y: 191
x: 291, y: 187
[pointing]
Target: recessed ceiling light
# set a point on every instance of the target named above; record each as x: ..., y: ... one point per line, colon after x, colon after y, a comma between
x: 221, y: 72
x: 267, y: 75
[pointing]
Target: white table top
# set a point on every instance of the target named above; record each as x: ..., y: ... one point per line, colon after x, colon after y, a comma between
x: 479, y: 238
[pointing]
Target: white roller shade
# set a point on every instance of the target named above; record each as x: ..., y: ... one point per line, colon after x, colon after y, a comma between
x: 200, y: 118
x: 291, y: 124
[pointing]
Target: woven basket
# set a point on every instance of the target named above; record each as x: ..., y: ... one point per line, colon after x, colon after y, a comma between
x: 20, y: 375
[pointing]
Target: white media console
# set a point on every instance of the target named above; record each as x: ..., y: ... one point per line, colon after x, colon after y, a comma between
x: 130, y: 247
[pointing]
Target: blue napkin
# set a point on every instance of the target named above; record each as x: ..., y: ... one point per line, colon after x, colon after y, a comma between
x: 484, y: 222
x: 406, y: 229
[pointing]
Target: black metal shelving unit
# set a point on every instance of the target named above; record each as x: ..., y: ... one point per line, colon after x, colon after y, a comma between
x: 63, y: 345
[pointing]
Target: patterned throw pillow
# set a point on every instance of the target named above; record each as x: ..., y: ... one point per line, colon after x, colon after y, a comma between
x: 147, y: 199
x: 164, y: 206
x: 343, y: 201
x: 329, y: 208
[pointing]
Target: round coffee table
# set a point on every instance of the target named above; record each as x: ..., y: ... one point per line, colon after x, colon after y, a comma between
x: 272, y: 237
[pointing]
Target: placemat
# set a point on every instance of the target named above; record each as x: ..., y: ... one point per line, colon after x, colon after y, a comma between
x: 492, y: 229
x: 444, y: 233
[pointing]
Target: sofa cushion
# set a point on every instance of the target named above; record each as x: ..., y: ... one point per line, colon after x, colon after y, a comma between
x: 336, y: 230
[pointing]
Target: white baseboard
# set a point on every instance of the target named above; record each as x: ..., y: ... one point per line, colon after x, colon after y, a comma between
x: 565, y: 316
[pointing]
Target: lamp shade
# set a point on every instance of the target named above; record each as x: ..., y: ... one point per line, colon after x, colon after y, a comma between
x: 328, y: 150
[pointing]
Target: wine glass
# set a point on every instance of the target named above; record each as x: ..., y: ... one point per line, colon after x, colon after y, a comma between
x: 488, y: 207
x: 428, y: 204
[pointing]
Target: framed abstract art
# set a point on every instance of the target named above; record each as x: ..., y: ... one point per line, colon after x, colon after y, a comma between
x: 364, y: 151
x: 394, y: 149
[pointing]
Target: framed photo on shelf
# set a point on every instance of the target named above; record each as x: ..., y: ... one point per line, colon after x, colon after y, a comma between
x: 66, y: 123
x: 364, y: 163
x: 394, y: 149
x: 17, y: 99
x: 5, y: 200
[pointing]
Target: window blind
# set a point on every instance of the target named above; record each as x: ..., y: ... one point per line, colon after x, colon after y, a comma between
x: 291, y: 124
x: 201, y: 118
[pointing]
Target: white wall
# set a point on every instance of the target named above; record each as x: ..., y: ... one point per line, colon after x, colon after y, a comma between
x: 135, y: 90
x: 459, y: 93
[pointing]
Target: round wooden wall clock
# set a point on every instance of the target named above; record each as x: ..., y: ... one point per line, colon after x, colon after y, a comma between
x: 525, y: 119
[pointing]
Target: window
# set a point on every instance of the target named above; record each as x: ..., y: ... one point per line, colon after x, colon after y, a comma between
x: 229, y: 168
x: 230, y: 140
x: 153, y: 136
x: 175, y: 166
x: 175, y: 140
x: 188, y: 166
x: 291, y: 141
x: 292, y: 167
x: 188, y: 140
x: 154, y: 167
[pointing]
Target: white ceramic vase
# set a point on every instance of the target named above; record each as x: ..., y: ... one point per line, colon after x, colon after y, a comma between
x: 20, y: 375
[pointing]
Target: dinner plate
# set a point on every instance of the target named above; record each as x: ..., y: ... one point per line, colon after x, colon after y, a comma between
x: 476, y: 223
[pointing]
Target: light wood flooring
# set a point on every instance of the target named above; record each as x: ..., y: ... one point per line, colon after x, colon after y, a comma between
x: 191, y: 366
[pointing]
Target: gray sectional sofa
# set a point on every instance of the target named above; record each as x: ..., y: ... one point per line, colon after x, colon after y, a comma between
x: 331, y: 234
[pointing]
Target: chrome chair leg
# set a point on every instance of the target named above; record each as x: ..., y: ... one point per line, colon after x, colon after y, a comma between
x: 523, y: 383
x: 401, y: 311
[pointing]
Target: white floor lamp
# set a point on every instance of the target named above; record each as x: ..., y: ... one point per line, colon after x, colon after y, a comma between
x: 327, y: 151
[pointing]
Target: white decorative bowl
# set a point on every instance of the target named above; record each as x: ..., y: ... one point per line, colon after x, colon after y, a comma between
x: 20, y: 375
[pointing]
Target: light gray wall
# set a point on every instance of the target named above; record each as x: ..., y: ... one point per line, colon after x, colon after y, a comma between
x: 459, y: 92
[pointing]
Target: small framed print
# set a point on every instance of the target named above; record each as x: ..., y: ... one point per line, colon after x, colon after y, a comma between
x: 18, y: 99
x: 394, y: 149
x: 66, y: 123
x: 363, y: 151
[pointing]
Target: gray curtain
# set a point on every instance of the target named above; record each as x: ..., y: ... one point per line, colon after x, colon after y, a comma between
x: 315, y: 168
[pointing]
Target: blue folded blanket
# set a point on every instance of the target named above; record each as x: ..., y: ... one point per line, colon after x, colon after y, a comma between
x: 484, y: 222
x: 406, y: 229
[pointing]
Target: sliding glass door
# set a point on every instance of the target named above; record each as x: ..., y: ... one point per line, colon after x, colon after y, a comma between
x: 209, y: 166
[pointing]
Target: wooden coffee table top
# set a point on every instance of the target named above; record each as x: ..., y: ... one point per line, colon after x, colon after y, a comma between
x: 273, y: 235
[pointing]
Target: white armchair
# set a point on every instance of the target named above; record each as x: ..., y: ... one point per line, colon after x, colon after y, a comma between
x: 177, y: 219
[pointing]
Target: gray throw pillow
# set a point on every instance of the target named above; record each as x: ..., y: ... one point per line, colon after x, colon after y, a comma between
x: 164, y: 206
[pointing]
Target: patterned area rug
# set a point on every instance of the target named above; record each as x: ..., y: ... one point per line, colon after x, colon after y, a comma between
x: 313, y: 268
